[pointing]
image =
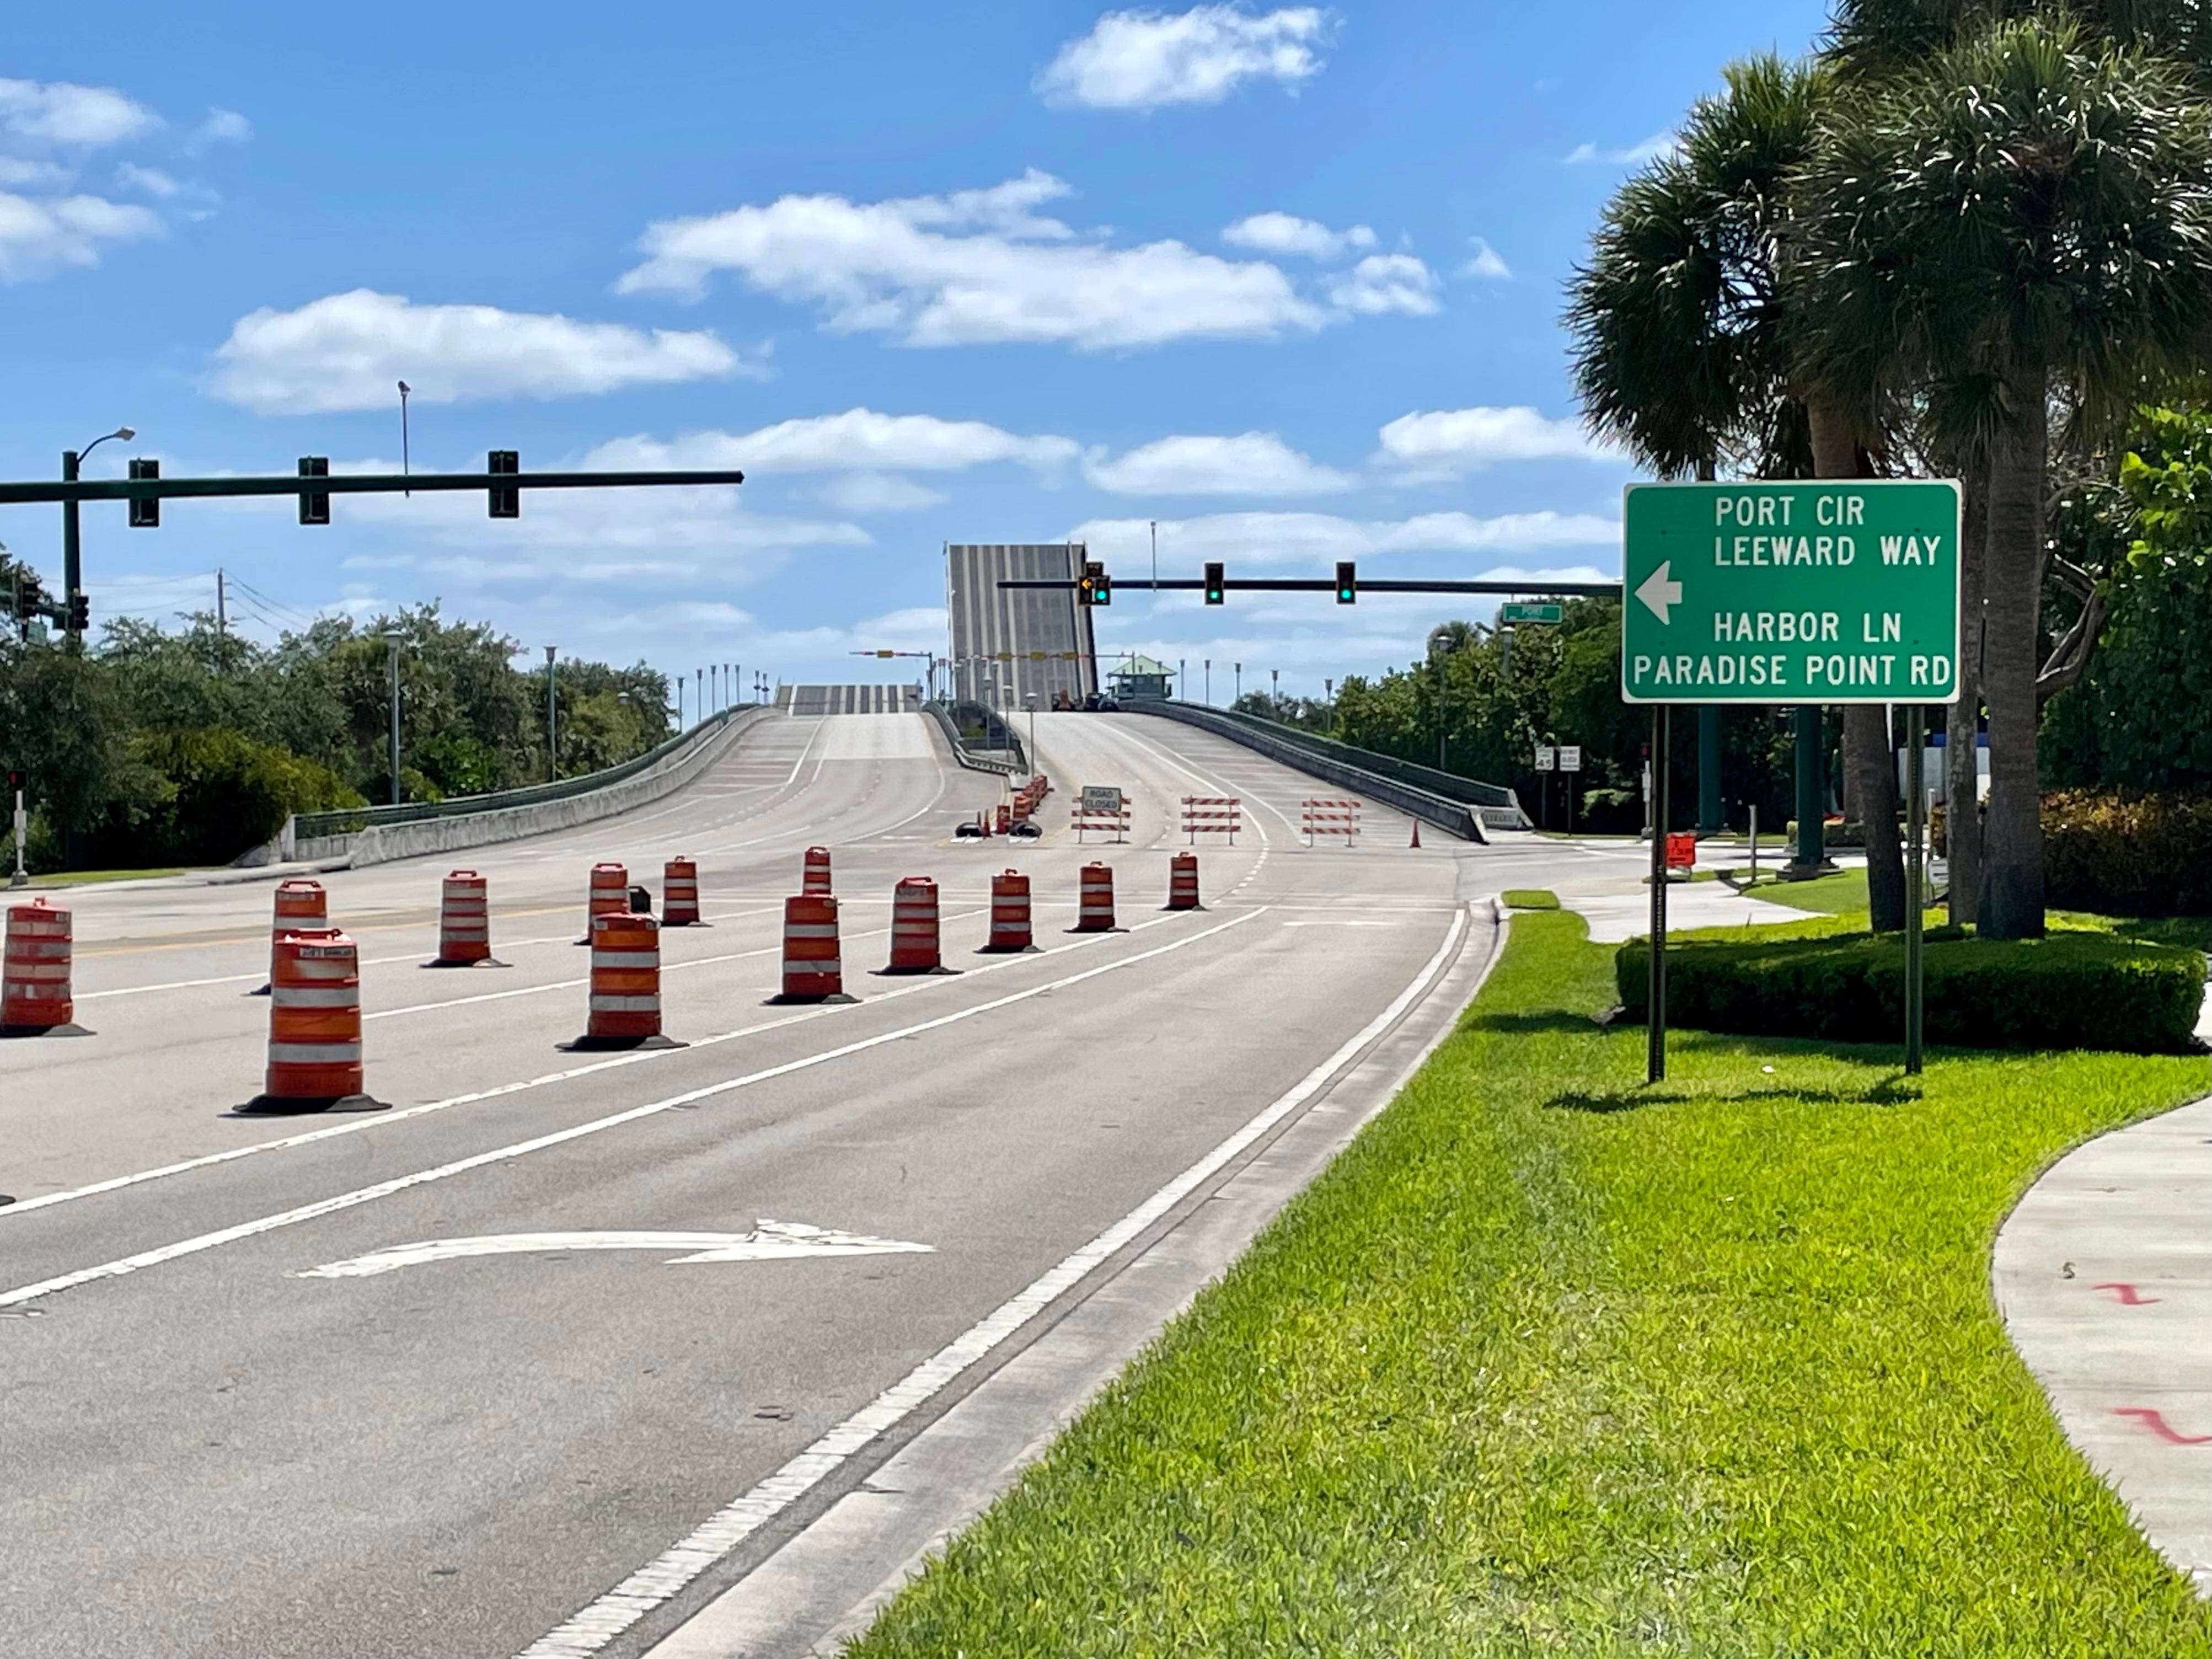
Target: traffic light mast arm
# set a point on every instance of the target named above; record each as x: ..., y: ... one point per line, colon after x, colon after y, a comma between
x: 1367, y: 585
x: 355, y: 483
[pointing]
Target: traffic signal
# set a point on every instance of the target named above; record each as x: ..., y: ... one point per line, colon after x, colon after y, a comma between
x: 27, y: 598
x: 1213, y: 584
x: 145, y: 510
x: 314, y: 504
x: 504, y: 503
x: 1094, y: 587
x: 80, y: 612
x: 1348, y: 583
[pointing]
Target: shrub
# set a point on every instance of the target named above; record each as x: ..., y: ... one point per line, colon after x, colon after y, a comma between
x: 2128, y: 854
x: 226, y: 793
x: 2069, y: 990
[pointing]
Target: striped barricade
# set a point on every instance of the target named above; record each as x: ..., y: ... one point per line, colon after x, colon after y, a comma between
x: 1322, y: 818
x: 314, y: 1024
x: 812, y: 971
x: 679, y: 895
x: 1094, y: 910
x: 1115, y: 824
x: 1213, y: 814
x: 1009, y: 912
x: 35, y: 981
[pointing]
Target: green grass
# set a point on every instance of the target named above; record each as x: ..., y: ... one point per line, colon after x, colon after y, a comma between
x: 1530, y: 899
x: 86, y: 877
x: 1550, y: 1362
x: 1838, y: 895
x: 1844, y: 894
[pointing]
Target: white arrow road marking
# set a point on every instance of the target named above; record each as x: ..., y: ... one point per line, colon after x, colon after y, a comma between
x: 1659, y: 593
x: 769, y: 1241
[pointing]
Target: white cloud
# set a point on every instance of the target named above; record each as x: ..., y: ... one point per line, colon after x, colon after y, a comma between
x: 150, y: 180
x: 37, y: 237
x: 1385, y: 282
x: 1635, y: 156
x: 876, y: 492
x: 975, y: 267
x: 1285, y: 233
x: 57, y: 112
x: 1486, y: 264
x: 1436, y: 443
x: 1143, y: 59
x: 15, y: 171
x: 223, y: 126
x: 1319, y: 538
x: 347, y: 351
x: 1254, y: 463
x: 860, y: 440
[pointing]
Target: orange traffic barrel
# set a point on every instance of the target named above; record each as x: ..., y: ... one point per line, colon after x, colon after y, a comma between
x: 1182, y: 882
x: 609, y: 895
x: 1009, y: 912
x: 300, y: 904
x: 315, y: 1021
x: 1002, y: 821
x: 915, y: 939
x: 463, y: 921
x: 816, y: 881
x: 34, y: 982
x: 1094, y: 912
x: 679, y: 894
x: 812, y: 969
x: 625, y: 993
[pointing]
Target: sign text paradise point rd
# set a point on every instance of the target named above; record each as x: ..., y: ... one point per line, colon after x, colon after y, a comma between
x: 1814, y: 591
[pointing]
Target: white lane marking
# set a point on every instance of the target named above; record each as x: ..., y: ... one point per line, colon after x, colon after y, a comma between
x: 231, y: 1235
x: 607, y: 1618
x: 635, y: 1057
x: 1341, y: 922
x: 769, y: 1241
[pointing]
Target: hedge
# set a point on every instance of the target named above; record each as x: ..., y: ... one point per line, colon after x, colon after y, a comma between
x: 2128, y: 854
x: 2069, y: 990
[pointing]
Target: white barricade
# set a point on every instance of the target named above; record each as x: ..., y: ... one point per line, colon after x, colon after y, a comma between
x: 1224, y: 813
x: 1339, y: 817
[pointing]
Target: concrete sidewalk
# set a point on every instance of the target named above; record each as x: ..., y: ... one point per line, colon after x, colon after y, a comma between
x: 2104, y: 1274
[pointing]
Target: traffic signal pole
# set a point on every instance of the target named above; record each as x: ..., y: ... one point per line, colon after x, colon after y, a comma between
x: 72, y: 556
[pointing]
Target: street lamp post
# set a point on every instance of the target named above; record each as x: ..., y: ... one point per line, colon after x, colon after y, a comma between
x: 1209, y: 681
x: 1030, y: 702
x: 393, y: 638
x: 1237, y: 696
x: 552, y: 752
x: 1275, y: 687
x: 72, y: 556
x: 1183, y: 677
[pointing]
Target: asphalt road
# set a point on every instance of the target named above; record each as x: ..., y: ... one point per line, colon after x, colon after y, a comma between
x: 226, y: 1433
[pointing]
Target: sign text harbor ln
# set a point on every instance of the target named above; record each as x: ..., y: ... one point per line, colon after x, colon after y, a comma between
x: 1809, y: 592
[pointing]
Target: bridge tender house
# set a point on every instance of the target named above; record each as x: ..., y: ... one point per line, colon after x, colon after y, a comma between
x: 1801, y: 655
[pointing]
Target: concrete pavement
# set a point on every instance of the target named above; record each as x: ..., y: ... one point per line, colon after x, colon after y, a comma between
x: 212, y: 1451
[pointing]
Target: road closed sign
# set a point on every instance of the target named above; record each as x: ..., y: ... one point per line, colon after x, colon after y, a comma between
x: 1814, y: 591
x: 1101, y: 800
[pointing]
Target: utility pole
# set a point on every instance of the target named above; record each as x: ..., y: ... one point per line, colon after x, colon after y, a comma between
x: 72, y: 557
x: 393, y: 638
x: 221, y: 610
x: 552, y: 752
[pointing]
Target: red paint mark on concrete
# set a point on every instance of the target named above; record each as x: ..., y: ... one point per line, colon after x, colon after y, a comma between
x: 2129, y: 1295
x: 2158, y: 1426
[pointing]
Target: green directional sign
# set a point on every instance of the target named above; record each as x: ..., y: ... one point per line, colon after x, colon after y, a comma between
x: 1818, y: 591
x: 1529, y: 613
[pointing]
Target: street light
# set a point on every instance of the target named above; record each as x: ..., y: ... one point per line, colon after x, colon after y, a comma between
x: 1030, y: 702
x: 1239, y: 696
x: 393, y: 638
x: 1209, y: 681
x: 552, y: 752
x: 72, y: 561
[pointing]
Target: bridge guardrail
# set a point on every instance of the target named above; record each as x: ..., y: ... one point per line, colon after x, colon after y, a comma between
x: 978, y: 760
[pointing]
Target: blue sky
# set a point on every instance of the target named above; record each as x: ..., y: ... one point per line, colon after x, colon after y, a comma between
x: 1284, y: 280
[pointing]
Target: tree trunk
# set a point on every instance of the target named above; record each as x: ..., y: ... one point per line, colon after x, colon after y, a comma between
x: 1962, y: 815
x: 2012, y: 592
x: 1869, y: 768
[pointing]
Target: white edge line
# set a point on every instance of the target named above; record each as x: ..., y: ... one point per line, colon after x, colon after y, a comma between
x: 655, y: 1582
x: 155, y: 1257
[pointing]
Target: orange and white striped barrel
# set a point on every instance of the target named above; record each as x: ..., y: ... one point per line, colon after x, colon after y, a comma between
x: 625, y: 995
x: 300, y: 904
x: 915, y: 939
x: 1094, y: 911
x: 816, y: 879
x: 464, y: 919
x: 679, y: 894
x: 1182, y: 882
x: 610, y: 893
x: 1009, y: 912
x: 34, y: 982
x: 314, y: 1016
x: 812, y: 969
x: 1002, y: 821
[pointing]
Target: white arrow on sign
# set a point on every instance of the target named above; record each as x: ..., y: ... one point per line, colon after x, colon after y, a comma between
x: 769, y: 1241
x: 1659, y: 593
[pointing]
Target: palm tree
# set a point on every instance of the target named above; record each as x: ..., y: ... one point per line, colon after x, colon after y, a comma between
x: 2026, y: 212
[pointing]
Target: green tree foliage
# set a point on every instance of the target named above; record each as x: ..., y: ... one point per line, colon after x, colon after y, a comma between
x: 191, y: 745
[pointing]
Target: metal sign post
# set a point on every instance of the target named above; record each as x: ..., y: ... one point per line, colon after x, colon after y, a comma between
x: 1915, y: 901
x: 1655, y: 1013
x: 22, y: 837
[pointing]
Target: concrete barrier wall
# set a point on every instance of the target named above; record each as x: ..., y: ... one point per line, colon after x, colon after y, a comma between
x: 1453, y: 817
x: 382, y: 843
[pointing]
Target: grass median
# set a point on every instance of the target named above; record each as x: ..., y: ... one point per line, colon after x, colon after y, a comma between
x: 1551, y: 1363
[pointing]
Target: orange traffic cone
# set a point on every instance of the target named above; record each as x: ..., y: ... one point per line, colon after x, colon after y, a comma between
x: 1416, y: 841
